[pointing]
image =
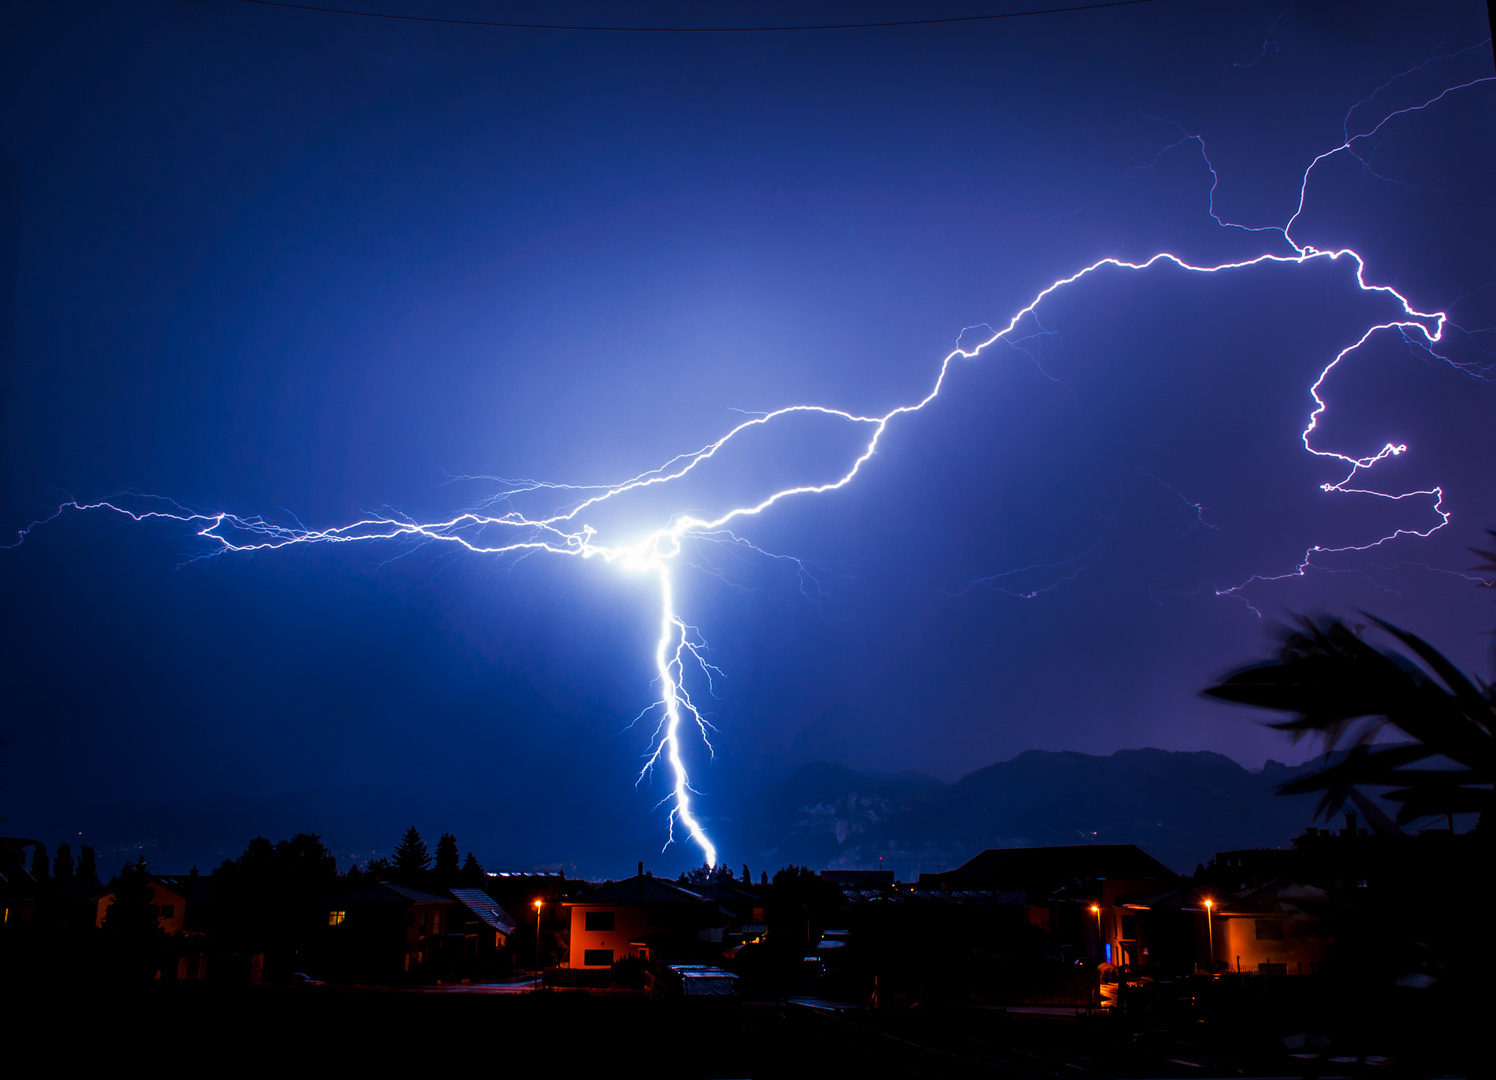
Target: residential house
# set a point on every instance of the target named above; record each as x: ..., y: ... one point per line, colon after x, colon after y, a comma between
x: 384, y: 932
x: 1078, y: 892
x: 18, y: 889
x: 181, y: 901
x: 645, y: 917
x: 482, y: 924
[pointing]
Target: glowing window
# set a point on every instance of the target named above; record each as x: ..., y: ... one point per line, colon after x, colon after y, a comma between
x: 335, y: 918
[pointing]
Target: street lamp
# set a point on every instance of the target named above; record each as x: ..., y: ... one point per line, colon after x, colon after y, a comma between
x: 1100, y: 945
x: 538, y: 905
x: 1211, y: 931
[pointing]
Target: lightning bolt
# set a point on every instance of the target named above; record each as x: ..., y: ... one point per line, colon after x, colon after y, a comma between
x: 496, y: 527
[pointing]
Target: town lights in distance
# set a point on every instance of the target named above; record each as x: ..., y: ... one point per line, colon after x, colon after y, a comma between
x: 603, y: 521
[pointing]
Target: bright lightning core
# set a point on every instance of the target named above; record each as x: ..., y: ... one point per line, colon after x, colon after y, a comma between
x: 602, y: 521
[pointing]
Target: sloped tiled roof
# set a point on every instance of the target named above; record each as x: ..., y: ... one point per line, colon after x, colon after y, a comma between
x: 482, y: 905
x: 639, y: 890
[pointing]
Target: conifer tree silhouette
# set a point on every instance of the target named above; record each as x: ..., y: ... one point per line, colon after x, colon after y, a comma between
x: 411, y: 860
x: 444, y: 874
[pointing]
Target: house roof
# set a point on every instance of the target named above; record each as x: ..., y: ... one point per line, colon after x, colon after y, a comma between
x: 730, y: 892
x: 639, y: 890
x: 1278, y: 897
x: 482, y: 905
x: 1039, y: 867
x: 1188, y: 895
x: 383, y: 892
x: 187, y: 886
x: 985, y: 898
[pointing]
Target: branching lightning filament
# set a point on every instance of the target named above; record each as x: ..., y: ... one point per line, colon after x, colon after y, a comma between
x: 496, y: 528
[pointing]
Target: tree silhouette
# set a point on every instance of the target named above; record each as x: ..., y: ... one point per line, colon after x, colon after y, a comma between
x: 1343, y: 689
x: 801, y: 899
x: 62, y: 865
x: 411, y: 859
x: 268, y: 899
x: 88, y: 869
x: 133, y: 911
x: 472, y: 872
x: 132, y: 936
x: 39, y: 863
x: 705, y: 875
x: 444, y: 875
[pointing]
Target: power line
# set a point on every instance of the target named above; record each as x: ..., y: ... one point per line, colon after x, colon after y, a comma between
x: 700, y: 29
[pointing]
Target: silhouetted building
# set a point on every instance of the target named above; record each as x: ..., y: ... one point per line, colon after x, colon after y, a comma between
x: 1078, y: 892
x: 859, y: 879
x: 18, y: 889
x: 384, y: 932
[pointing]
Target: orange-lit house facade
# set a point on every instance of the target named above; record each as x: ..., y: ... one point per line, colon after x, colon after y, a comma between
x: 1278, y: 929
x: 643, y: 917
x: 172, y: 896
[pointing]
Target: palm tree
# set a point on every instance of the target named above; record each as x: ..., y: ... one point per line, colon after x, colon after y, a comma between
x: 1347, y: 691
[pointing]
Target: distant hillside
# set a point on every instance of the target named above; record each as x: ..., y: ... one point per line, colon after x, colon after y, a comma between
x: 1178, y: 806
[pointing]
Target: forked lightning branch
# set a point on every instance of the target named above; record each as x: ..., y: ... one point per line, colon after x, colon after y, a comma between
x: 654, y: 547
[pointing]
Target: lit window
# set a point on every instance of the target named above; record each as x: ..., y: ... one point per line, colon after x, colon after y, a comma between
x: 335, y: 918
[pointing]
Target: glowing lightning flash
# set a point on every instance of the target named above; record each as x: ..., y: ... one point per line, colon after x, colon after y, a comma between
x: 495, y: 528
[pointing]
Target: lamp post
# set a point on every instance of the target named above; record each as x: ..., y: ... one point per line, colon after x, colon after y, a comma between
x: 1100, y: 945
x: 1211, y: 932
x: 538, y: 905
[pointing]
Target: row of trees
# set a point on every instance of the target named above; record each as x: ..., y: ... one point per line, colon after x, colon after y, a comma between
x: 705, y: 875
x: 412, y: 865
x: 304, y: 865
x: 62, y: 870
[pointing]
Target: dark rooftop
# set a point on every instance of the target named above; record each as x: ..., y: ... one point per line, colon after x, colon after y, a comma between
x: 384, y: 893
x: 639, y: 890
x: 1046, y: 867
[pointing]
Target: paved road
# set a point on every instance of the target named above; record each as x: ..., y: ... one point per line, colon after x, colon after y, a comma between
x: 523, y: 986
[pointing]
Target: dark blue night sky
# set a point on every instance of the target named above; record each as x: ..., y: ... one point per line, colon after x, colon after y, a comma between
x: 314, y: 266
